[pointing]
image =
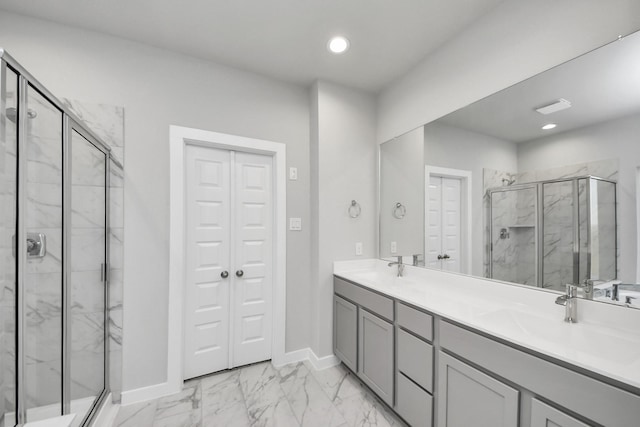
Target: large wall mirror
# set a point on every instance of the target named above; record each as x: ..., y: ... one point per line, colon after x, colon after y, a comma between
x: 535, y: 185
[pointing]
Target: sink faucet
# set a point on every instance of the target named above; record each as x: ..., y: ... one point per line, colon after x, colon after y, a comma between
x: 399, y: 264
x: 570, y: 301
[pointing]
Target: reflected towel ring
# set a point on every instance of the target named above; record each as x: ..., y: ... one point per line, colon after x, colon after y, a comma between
x: 399, y: 211
x: 354, y: 209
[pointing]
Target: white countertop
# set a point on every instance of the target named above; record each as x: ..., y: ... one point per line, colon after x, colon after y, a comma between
x: 606, y: 339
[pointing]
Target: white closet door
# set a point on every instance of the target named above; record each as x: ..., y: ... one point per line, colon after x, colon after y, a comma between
x: 207, y: 257
x: 451, y: 224
x: 434, y: 223
x: 253, y: 256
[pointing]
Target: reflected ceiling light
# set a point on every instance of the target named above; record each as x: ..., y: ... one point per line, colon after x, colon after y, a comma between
x: 338, y: 44
x: 554, y: 107
x: 549, y: 126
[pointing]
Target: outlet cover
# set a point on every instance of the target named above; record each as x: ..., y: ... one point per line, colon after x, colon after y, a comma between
x: 293, y: 174
x: 359, y: 248
x: 295, y: 224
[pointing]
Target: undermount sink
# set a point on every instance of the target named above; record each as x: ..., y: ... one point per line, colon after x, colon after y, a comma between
x: 582, y: 338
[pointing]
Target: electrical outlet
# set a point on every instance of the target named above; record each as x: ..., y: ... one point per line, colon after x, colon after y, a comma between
x: 394, y: 247
x: 295, y: 224
x: 293, y: 174
x: 359, y: 248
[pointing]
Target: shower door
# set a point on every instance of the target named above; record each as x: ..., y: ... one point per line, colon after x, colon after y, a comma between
x: 86, y: 299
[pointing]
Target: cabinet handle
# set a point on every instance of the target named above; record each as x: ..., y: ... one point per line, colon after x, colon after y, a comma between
x: 224, y: 274
x: 239, y: 273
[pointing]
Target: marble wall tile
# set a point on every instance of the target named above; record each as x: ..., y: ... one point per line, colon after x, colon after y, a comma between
x: 88, y: 206
x: 43, y: 383
x: 87, y: 249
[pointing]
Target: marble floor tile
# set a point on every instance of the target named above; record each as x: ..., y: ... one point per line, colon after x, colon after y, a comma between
x: 309, y: 403
x: 260, y: 395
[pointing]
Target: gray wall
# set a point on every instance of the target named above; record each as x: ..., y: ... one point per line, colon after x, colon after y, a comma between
x: 159, y: 88
x: 344, y: 169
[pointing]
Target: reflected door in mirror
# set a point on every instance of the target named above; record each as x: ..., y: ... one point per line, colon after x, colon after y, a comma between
x: 443, y: 223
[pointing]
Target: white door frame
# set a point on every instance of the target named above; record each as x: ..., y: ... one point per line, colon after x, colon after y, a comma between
x: 179, y: 138
x: 465, y: 212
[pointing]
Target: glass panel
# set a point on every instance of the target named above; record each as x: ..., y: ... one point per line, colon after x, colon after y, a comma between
x: 43, y: 272
x: 513, y: 235
x: 603, y: 230
x: 8, y: 175
x: 583, y: 230
x: 558, y: 234
x: 86, y: 288
x: 116, y: 257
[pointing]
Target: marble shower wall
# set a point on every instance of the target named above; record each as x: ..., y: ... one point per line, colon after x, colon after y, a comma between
x: 107, y: 122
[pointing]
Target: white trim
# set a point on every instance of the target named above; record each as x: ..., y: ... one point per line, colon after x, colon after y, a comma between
x: 465, y: 223
x: 179, y: 138
x: 143, y: 394
x: 637, y: 224
x: 320, y: 363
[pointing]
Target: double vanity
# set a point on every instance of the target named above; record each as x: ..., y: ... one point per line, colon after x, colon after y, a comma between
x: 444, y: 349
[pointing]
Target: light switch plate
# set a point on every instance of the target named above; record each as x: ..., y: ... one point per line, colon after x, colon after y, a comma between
x: 293, y: 174
x: 359, y: 248
x: 394, y: 247
x: 295, y: 224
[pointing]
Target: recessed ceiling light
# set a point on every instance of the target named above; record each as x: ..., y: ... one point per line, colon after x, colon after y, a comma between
x: 338, y: 44
x: 549, y: 126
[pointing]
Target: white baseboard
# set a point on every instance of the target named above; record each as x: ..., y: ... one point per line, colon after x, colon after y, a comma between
x: 148, y: 393
x: 320, y: 363
x: 164, y: 389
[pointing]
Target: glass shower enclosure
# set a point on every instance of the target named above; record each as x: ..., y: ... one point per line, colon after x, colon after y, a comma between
x: 54, y: 222
x: 552, y: 233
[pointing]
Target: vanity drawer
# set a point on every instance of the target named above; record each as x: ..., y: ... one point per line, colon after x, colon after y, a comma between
x: 413, y: 403
x: 416, y: 321
x: 415, y: 359
x: 376, y: 303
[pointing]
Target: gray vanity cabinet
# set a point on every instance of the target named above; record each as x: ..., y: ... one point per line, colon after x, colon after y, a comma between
x: 375, y: 354
x: 468, y: 397
x: 345, y: 332
x: 543, y: 415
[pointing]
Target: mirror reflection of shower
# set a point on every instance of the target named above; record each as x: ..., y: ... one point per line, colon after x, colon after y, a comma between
x: 551, y: 233
x: 507, y: 182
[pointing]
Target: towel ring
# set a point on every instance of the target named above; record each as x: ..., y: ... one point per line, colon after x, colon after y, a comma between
x: 354, y: 209
x: 399, y: 210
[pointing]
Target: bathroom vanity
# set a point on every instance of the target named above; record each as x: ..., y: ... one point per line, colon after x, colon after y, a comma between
x: 450, y: 350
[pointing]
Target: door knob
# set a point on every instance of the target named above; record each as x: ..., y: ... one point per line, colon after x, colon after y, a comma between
x: 446, y: 256
x: 224, y: 274
x: 239, y: 273
x: 439, y: 256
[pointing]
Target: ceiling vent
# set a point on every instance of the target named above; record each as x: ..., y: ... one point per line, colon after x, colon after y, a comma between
x: 559, y: 105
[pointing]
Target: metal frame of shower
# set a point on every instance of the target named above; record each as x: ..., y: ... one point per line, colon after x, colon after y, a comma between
x: 539, y: 186
x: 69, y: 122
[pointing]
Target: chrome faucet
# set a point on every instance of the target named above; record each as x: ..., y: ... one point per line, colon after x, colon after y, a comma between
x: 399, y: 264
x: 570, y: 301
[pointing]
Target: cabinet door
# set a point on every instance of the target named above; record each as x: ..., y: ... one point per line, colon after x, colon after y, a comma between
x: 468, y: 397
x: 543, y: 415
x: 345, y: 332
x: 375, y: 354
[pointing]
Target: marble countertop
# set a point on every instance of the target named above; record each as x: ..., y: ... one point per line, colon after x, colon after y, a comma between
x: 606, y: 339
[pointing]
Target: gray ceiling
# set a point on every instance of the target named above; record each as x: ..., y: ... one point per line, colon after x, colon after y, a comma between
x: 601, y: 85
x: 285, y: 39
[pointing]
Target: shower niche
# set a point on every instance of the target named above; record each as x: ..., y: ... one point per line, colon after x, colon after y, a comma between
x: 56, y: 179
x: 551, y: 233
